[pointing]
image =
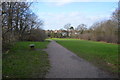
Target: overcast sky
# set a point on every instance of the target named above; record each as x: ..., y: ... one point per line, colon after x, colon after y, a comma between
x: 56, y: 14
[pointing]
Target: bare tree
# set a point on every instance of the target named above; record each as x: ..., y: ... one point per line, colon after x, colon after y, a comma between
x: 18, y: 21
x: 81, y: 28
x: 67, y: 27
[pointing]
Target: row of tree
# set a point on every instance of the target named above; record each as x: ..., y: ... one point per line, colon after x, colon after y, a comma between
x: 107, y: 30
x: 19, y: 23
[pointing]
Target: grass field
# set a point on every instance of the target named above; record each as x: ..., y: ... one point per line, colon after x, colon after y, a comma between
x: 103, y: 55
x: 22, y: 62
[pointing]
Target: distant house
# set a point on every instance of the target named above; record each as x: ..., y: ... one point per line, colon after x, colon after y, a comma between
x: 63, y: 33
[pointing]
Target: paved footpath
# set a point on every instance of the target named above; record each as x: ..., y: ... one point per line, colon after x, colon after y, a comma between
x: 65, y: 64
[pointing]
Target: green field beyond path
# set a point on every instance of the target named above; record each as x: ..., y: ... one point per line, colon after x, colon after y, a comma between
x: 103, y: 55
x: 21, y: 62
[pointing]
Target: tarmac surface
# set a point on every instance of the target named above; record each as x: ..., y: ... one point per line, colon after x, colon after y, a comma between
x: 65, y: 64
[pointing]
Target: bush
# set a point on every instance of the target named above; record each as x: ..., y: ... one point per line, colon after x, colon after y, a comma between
x: 37, y: 35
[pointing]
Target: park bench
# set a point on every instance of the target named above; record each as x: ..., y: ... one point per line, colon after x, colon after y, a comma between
x: 32, y: 46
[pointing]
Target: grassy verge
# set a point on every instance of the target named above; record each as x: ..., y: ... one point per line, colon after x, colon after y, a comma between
x: 103, y: 55
x: 21, y: 62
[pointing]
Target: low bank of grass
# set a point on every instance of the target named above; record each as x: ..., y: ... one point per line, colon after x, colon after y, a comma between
x: 22, y: 62
x: 103, y: 55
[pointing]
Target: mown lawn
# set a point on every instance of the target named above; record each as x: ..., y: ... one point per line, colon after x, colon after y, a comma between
x: 103, y: 55
x: 22, y: 62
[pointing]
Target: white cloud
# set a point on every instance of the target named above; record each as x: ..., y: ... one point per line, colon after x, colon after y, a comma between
x: 68, y: 1
x: 58, y: 20
x: 76, y: 0
x: 63, y: 2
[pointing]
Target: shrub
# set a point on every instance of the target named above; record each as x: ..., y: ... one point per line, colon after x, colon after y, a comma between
x: 37, y: 35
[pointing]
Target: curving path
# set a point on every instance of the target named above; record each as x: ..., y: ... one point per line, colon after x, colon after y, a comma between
x: 65, y: 64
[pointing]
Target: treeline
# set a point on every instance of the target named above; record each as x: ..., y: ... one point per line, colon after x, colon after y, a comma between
x: 19, y: 23
x: 106, y: 30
